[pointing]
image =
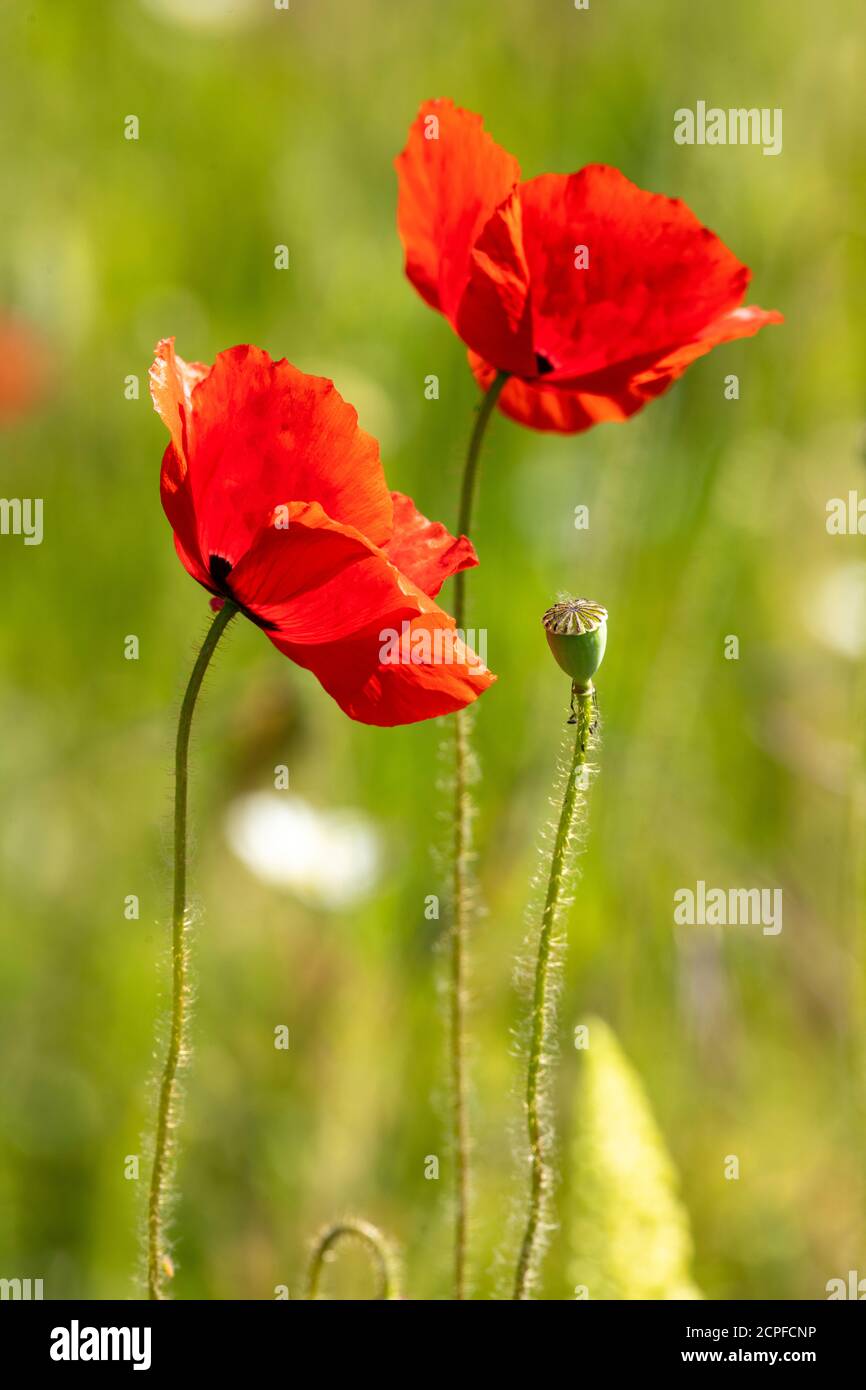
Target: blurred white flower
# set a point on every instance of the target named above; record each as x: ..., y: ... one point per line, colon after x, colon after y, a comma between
x: 205, y: 14
x: 327, y: 859
x: 834, y: 609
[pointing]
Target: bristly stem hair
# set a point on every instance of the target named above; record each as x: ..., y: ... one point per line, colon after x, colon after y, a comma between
x: 377, y: 1246
x: 543, y: 1014
x: 461, y: 893
x: 164, y: 1150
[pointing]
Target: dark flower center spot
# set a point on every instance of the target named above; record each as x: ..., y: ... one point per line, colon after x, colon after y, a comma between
x: 543, y: 364
x: 219, y: 569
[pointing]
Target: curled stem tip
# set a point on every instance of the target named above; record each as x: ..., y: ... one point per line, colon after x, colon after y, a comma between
x: 378, y: 1247
x: 542, y: 1015
x: 159, y: 1265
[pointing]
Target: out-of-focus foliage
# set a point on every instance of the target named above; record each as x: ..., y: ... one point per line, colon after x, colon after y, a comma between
x: 630, y: 1233
x: 259, y: 128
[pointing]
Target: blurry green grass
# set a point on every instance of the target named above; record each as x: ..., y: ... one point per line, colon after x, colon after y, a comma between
x: 706, y: 518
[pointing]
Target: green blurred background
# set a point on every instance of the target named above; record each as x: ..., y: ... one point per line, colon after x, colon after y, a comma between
x: 707, y: 518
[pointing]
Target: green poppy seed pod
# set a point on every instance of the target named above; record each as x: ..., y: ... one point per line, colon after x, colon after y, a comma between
x: 577, y: 634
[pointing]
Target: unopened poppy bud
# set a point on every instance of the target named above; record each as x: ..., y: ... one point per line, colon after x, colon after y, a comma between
x: 577, y: 634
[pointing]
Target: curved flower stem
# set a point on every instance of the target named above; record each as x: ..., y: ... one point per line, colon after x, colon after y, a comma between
x: 470, y: 478
x: 461, y: 891
x: 158, y: 1265
x: 381, y: 1255
x: 541, y: 1171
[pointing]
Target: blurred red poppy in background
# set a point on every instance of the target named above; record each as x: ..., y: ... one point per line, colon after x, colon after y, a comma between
x: 592, y: 294
x: 278, y: 502
x: 23, y: 369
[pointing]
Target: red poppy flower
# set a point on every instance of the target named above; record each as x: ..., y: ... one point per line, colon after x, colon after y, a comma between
x: 593, y: 294
x: 278, y: 502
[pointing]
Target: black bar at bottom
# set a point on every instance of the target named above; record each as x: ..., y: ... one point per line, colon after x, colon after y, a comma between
x: 73, y: 1338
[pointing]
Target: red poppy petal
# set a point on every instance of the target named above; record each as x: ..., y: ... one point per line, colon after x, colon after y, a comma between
x: 452, y: 177
x: 177, y: 503
x: 252, y: 435
x: 191, y: 562
x: 656, y: 276
x: 619, y: 392
x: 743, y: 322
x: 444, y: 676
x: 172, y: 382
x: 495, y: 314
x: 329, y: 600
x: 425, y: 550
x: 316, y: 580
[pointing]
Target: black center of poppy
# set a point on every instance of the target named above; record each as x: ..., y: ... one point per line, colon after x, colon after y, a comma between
x: 543, y: 365
x: 219, y: 569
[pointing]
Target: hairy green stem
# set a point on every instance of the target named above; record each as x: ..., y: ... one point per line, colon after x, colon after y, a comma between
x: 381, y: 1254
x: 158, y: 1265
x: 541, y: 1168
x: 461, y: 851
